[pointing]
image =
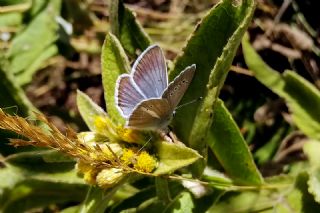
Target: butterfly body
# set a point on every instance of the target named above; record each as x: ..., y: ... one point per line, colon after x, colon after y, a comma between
x: 144, y: 97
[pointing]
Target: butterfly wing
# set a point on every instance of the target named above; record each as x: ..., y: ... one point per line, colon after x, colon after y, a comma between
x: 127, y: 96
x: 179, y: 86
x: 151, y: 114
x: 150, y: 72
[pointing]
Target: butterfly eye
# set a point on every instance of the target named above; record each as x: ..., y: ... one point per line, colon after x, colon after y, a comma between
x: 174, y: 113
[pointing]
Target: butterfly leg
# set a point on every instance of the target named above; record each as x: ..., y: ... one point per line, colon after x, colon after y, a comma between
x: 175, y: 138
x: 164, y: 135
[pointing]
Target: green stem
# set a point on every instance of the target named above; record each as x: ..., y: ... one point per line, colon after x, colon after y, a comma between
x: 162, y: 189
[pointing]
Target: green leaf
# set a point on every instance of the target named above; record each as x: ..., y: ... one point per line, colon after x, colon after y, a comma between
x: 29, y: 181
x: 267, y: 151
x: 36, y: 194
x: 314, y: 183
x: 228, y: 145
x: 174, y: 156
x: 10, y: 19
x: 114, y: 62
x: 47, y: 156
x: 285, y: 197
x: 304, y: 103
x: 88, y: 110
x: 162, y: 189
x: 302, y: 98
x: 127, y: 29
x: 30, y: 44
x: 212, y: 48
x: 73, y: 209
x: 217, y: 179
x: 138, y: 198
x: 25, y: 77
x: 97, y: 199
x: 311, y: 149
x: 183, y: 203
x: 12, y: 97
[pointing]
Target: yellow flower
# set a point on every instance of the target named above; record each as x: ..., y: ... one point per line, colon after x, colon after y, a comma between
x: 109, y: 150
x: 106, y: 127
x: 128, y: 157
x: 107, y: 178
x: 145, y: 162
x: 89, y: 172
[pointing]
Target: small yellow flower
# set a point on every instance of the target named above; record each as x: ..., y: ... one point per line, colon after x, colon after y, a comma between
x: 145, y: 162
x: 130, y: 135
x: 109, y: 149
x: 128, y: 157
x: 107, y: 178
x: 106, y: 127
x: 89, y: 172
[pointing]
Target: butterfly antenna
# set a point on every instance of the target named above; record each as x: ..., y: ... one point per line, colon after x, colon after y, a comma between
x: 190, y: 102
x: 144, y: 145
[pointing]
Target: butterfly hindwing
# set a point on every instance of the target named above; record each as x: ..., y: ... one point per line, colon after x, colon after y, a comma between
x: 150, y: 72
x: 127, y: 96
x: 179, y: 86
x: 150, y: 114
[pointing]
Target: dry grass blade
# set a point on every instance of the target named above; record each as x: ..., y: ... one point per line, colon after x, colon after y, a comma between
x: 53, y: 138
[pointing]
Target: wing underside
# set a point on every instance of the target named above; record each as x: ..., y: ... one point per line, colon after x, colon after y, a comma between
x: 150, y: 72
x: 150, y: 114
x: 179, y: 86
x: 127, y: 96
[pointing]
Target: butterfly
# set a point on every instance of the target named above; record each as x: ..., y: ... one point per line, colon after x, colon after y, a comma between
x: 144, y: 96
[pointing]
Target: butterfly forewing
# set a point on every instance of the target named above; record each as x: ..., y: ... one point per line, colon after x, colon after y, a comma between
x: 179, y: 86
x: 150, y: 72
x: 127, y: 96
x: 151, y: 114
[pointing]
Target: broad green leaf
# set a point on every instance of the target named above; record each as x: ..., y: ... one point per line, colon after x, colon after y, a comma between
x: 286, y: 196
x: 36, y: 194
x: 47, y: 156
x: 10, y: 19
x: 97, y: 199
x: 134, y: 200
x: 183, y: 203
x: 228, y: 145
x: 302, y: 98
x: 311, y: 149
x: 314, y: 183
x: 212, y: 48
x: 304, y: 103
x: 127, y: 29
x: 35, y: 167
x: 13, y: 98
x: 267, y: 151
x: 28, y: 177
x: 114, y: 62
x: 174, y: 156
x: 162, y: 189
x: 73, y: 209
x: 28, y: 45
x: 8, y: 183
x: 88, y: 109
x: 217, y: 179
x: 25, y: 77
